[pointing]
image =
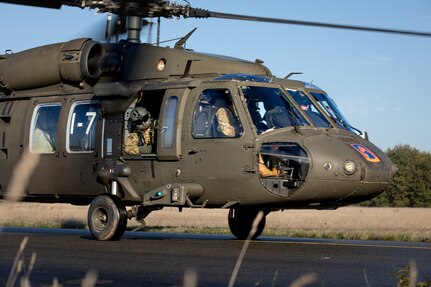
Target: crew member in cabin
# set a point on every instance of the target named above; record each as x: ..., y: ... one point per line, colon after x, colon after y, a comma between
x: 141, y: 139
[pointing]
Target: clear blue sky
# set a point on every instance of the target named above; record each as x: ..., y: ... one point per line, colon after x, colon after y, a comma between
x: 380, y: 82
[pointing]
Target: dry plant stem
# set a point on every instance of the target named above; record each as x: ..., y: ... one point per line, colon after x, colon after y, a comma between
x: 305, y: 280
x: 274, y: 280
x: 366, y: 278
x: 17, y: 264
x: 413, y: 273
x: 90, y: 279
x: 244, y: 248
x: 190, y: 278
x: 21, y: 175
x: 25, y: 281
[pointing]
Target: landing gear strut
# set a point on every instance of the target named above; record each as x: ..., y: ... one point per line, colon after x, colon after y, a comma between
x: 107, y: 217
x: 241, y: 220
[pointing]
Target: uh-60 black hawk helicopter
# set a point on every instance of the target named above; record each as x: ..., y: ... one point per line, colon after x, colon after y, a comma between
x: 137, y: 125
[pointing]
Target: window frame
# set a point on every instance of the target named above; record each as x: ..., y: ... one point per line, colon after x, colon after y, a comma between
x: 169, y: 128
x: 34, y: 118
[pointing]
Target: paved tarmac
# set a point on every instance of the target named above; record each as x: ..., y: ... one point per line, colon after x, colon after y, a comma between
x: 162, y: 259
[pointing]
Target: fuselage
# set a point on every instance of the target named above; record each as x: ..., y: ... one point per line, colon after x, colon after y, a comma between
x: 274, y: 158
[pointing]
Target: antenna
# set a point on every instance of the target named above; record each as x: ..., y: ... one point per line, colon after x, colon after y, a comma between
x: 291, y: 74
x: 183, y: 40
x: 150, y: 32
x: 108, y: 28
x: 158, y: 31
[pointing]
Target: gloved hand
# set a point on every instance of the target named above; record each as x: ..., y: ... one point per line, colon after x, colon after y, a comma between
x: 146, y: 149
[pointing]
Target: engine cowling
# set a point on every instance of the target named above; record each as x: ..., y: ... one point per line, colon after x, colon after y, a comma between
x: 74, y: 61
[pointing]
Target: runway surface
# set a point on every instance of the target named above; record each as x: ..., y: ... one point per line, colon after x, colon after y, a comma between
x: 162, y: 259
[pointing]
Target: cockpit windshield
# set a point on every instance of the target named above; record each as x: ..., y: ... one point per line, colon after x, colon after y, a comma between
x: 331, y: 108
x: 270, y: 109
x: 309, y: 109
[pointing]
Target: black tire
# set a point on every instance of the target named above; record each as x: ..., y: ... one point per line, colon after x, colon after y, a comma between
x: 107, y: 217
x: 241, y: 221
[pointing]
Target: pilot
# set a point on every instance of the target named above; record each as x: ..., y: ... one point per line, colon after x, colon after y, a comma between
x: 225, y: 119
x: 276, y: 116
x: 257, y: 118
x: 141, y: 140
x: 315, y: 116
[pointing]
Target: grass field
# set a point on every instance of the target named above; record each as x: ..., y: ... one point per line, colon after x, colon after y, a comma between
x: 400, y: 224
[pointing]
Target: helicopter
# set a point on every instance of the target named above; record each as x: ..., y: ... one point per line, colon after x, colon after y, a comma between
x: 130, y: 128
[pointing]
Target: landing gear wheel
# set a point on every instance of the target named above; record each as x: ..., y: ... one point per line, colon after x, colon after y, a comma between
x: 107, y: 217
x: 241, y: 221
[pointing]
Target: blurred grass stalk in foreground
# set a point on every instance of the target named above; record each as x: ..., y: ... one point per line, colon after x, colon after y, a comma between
x: 21, y: 176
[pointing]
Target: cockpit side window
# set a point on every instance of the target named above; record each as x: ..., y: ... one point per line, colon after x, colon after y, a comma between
x: 270, y: 109
x: 215, y: 116
x: 309, y: 109
x: 326, y: 103
x: 43, y: 131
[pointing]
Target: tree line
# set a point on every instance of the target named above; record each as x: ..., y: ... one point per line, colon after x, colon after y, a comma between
x: 411, y: 186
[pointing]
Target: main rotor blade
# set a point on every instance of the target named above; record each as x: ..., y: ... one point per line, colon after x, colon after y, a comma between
x: 163, y: 8
x: 200, y: 13
x: 37, y: 3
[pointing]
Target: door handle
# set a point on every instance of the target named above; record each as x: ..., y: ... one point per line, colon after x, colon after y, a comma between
x: 193, y: 151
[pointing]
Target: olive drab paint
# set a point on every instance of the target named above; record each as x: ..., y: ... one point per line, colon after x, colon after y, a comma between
x: 225, y: 133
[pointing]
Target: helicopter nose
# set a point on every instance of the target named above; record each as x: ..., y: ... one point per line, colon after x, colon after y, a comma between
x: 346, y: 169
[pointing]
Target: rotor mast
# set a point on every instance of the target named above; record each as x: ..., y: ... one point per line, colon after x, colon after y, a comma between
x: 134, y: 27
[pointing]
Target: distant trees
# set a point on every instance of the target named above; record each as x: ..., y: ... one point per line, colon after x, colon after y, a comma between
x: 411, y: 187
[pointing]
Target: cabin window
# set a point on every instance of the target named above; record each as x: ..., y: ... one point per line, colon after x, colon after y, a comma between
x: 81, y: 127
x: 215, y: 116
x: 168, y: 129
x: 43, y: 131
